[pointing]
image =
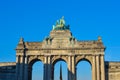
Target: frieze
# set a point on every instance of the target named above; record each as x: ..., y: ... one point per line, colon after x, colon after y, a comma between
x: 20, y: 51
x: 62, y: 51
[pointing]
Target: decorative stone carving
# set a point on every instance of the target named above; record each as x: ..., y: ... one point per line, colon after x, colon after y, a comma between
x: 62, y: 45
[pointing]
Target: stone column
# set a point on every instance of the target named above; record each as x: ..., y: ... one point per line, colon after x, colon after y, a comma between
x: 21, y: 77
x: 75, y: 73
x: 102, y: 68
x: 52, y: 72
x: 29, y: 72
x: 17, y: 67
x: 49, y: 72
x: 45, y: 68
x: 94, y: 68
x: 26, y: 68
x: 98, y: 67
x: 70, y: 68
x: 73, y: 68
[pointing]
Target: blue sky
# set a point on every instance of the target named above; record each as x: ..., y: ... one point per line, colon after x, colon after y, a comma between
x: 33, y: 20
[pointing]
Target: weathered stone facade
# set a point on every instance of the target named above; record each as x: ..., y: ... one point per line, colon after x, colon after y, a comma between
x: 61, y: 45
x: 112, y: 70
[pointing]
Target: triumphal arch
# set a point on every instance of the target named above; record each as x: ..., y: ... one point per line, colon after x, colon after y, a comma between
x: 60, y: 45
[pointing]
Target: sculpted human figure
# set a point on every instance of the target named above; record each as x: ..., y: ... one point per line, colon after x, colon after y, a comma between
x: 62, y: 21
x: 57, y: 23
x: 60, y: 25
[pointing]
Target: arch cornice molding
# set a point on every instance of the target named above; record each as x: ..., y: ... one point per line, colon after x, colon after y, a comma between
x: 78, y: 58
x: 58, y: 57
x: 34, y: 57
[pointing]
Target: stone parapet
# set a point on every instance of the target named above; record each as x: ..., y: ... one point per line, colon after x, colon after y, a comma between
x: 112, y: 70
x: 7, y: 71
x: 7, y: 64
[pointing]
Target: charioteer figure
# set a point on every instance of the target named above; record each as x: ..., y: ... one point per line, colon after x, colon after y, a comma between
x: 60, y: 25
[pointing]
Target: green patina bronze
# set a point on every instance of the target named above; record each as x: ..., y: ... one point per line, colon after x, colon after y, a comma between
x: 60, y: 25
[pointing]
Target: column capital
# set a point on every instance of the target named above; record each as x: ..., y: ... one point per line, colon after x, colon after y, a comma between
x: 47, y: 55
x: 102, y: 55
x: 97, y: 54
x: 17, y: 55
x: 26, y: 60
x: 71, y: 55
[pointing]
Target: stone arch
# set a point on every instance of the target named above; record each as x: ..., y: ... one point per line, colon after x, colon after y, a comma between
x: 84, y: 57
x: 78, y: 67
x: 33, y: 59
x: 55, y: 59
x: 58, y: 58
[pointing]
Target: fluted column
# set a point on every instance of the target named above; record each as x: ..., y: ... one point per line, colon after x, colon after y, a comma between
x: 94, y: 68
x: 45, y: 67
x: 52, y: 72
x: 98, y: 67
x: 69, y: 68
x: 26, y: 68
x: 73, y: 67
x: 17, y: 67
x: 49, y: 73
x: 75, y: 73
x: 21, y: 77
x: 102, y: 68
x: 29, y: 72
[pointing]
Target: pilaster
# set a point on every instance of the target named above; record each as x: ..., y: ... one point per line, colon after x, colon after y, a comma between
x: 102, y: 68
x: 98, y: 67
x: 17, y: 67
x: 94, y: 68
x: 21, y: 68
x: 26, y: 68
x: 70, y: 68
x: 45, y: 68
x: 73, y: 68
x: 49, y: 73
